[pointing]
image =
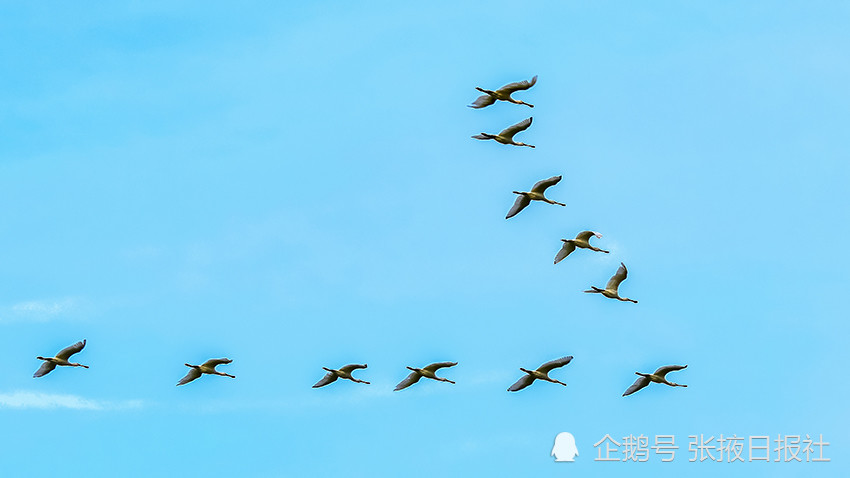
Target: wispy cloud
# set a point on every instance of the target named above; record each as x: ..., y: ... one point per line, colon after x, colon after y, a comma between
x: 41, y: 309
x: 24, y: 399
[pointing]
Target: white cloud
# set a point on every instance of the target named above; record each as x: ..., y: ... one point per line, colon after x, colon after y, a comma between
x: 41, y: 309
x: 25, y: 399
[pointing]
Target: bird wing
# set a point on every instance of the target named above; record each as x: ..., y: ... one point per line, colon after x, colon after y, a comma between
x: 517, y: 85
x: 620, y: 276
x: 328, y: 378
x: 215, y: 362
x: 639, y: 384
x: 354, y: 366
x: 662, y: 371
x: 436, y: 366
x: 510, y: 131
x: 566, y: 250
x: 586, y: 235
x: 66, y: 353
x: 482, y: 101
x: 410, y: 380
x: 192, y: 375
x: 546, y: 367
x: 541, y: 185
x: 521, y: 202
x: 523, y: 382
x: 45, y: 368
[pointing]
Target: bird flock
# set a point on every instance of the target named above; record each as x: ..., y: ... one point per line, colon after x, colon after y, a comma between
x: 523, y: 200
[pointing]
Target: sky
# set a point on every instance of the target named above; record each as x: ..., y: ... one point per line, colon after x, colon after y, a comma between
x: 294, y: 186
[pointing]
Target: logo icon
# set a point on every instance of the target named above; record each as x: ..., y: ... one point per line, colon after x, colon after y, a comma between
x: 565, y: 447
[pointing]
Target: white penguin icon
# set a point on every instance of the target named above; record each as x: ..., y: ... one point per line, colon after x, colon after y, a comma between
x: 565, y: 447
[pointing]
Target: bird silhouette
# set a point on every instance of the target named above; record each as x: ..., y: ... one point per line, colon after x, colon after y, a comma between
x: 207, y: 367
x: 343, y: 372
x: 542, y: 373
x: 504, y: 94
x: 507, y: 134
x: 582, y: 241
x: 610, y: 290
x: 657, y: 377
x: 427, y: 372
x: 536, y: 194
x: 60, y: 359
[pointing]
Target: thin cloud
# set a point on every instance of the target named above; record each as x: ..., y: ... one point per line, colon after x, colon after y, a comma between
x: 44, y: 309
x: 36, y: 400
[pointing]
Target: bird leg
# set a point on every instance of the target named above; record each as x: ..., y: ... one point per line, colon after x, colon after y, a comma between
x: 446, y: 380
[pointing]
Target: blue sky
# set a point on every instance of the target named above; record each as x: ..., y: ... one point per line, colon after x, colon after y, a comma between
x: 294, y: 186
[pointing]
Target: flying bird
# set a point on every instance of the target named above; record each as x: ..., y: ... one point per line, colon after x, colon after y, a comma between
x: 507, y: 134
x: 541, y: 373
x: 60, y: 359
x: 581, y: 240
x: 427, y: 372
x: 610, y: 290
x: 209, y: 366
x: 657, y: 377
x: 343, y: 372
x: 536, y: 194
x: 504, y: 93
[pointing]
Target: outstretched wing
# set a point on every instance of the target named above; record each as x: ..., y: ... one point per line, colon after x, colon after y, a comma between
x: 354, y: 366
x: 521, y: 202
x: 510, y: 131
x: 586, y: 235
x: 662, y: 371
x: 482, y: 101
x: 540, y: 186
x: 66, y: 353
x: 437, y: 366
x: 192, y: 375
x: 639, y: 384
x: 546, y: 367
x: 517, y: 85
x: 410, y: 380
x: 45, y: 368
x: 566, y: 250
x: 523, y: 382
x: 328, y: 378
x: 620, y: 276
x: 215, y: 362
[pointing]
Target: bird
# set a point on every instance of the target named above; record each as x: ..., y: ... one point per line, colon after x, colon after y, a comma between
x: 610, y: 290
x: 206, y: 367
x: 427, y: 372
x: 581, y: 240
x: 657, y: 377
x: 343, y: 372
x: 504, y: 93
x: 507, y: 134
x: 541, y: 373
x: 536, y: 194
x: 60, y: 359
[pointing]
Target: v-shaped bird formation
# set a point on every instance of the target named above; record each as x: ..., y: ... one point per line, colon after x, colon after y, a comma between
x: 523, y: 200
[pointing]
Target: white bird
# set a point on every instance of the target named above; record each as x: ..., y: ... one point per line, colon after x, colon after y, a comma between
x: 610, y: 290
x: 582, y: 240
x: 504, y: 93
x: 507, y: 134
x: 657, y: 377
x: 542, y: 373
x: 343, y: 372
x: 206, y: 367
x: 536, y: 194
x: 427, y: 372
x: 60, y: 359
